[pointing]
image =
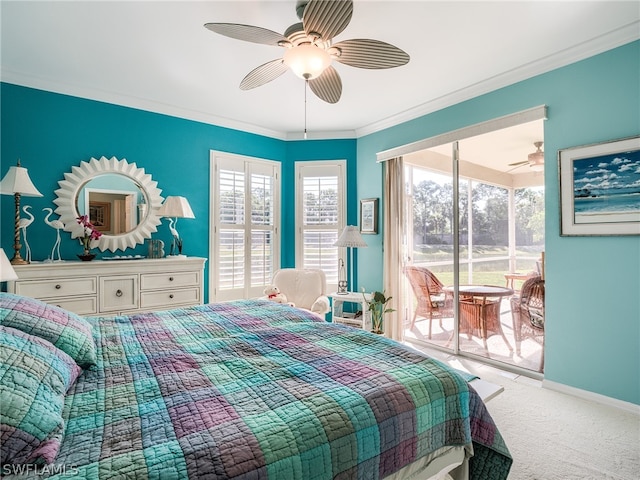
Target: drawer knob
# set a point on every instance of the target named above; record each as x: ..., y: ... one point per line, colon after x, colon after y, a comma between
x: 58, y: 286
x: 118, y: 293
x: 171, y: 295
x: 171, y: 279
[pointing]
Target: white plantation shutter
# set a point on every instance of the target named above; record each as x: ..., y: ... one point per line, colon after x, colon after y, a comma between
x: 262, y: 229
x: 320, y: 216
x: 245, y: 240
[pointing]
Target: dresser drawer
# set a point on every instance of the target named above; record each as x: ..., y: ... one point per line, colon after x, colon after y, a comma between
x: 118, y: 293
x: 152, y: 281
x: 81, y: 305
x: 60, y: 287
x: 169, y: 298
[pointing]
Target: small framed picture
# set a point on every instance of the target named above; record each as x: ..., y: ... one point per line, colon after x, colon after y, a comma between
x: 600, y: 188
x: 369, y: 216
x: 100, y: 215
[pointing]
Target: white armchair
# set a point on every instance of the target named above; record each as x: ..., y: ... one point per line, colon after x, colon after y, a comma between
x: 304, y: 288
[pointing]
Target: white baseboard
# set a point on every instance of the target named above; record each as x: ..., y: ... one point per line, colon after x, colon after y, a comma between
x: 591, y: 396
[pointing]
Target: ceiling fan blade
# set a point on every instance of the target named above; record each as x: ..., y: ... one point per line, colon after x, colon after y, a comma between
x: 248, y: 33
x: 517, y: 164
x: 514, y: 168
x: 327, y: 17
x: 367, y: 53
x: 263, y: 74
x: 328, y: 86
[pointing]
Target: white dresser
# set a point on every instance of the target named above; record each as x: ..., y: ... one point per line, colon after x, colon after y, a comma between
x: 112, y: 287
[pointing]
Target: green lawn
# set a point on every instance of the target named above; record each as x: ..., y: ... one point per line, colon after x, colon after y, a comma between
x: 489, y: 272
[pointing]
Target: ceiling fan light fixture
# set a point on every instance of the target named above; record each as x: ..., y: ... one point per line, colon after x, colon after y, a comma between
x: 537, y: 165
x: 307, y: 61
x: 536, y: 159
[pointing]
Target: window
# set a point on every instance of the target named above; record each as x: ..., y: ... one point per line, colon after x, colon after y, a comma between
x: 320, y: 216
x: 245, y: 242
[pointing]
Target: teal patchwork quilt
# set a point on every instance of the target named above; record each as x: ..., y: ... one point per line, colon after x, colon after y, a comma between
x: 259, y: 390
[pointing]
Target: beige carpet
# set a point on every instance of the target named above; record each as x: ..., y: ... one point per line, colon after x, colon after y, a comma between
x: 552, y: 435
x: 555, y: 436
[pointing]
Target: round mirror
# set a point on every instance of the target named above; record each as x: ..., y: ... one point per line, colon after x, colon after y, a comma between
x: 114, y: 203
x: 120, y: 199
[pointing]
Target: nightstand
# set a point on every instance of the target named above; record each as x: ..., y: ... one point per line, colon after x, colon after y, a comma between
x: 339, y: 315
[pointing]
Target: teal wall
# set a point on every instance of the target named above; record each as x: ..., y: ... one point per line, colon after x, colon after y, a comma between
x: 593, y: 304
x: 51, y: 133
x: 304, y: 150
x: 592, y: 283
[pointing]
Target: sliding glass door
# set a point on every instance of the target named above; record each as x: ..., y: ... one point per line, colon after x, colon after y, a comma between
x: 430, y: 246
x: 466, y: 266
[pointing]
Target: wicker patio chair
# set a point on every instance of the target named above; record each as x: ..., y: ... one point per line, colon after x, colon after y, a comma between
x: 527, y: 312
x: 433, y: 301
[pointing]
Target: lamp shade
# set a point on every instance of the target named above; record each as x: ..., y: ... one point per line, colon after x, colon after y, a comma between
x: 7, y: 273
x: 17, y: 181
x: 177, y: 207
x: 350, y: 237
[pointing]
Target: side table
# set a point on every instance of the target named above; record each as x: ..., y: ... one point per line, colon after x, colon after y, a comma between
x: 339, y: 315
x: 511, y: 277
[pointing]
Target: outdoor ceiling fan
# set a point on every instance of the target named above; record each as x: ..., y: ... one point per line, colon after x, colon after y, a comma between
x: 309, y: 50
x: 535, y: 160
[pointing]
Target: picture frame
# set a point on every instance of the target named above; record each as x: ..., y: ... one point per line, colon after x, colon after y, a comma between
x: 369, y: 216
x: 600, y: 188
x: 100, y: 215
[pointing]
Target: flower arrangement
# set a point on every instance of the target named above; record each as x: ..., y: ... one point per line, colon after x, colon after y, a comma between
x: 377, y: 307
x: 90, y: 233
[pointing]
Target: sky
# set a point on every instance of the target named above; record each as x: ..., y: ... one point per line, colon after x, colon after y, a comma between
x: 612, y: 173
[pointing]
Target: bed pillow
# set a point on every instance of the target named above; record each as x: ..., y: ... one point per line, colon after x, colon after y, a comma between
x: 67, y: 331
x: 34, y: 378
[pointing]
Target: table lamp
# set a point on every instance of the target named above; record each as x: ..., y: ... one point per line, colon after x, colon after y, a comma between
x: 174, y: 208
x: 350, y: 238
x: 7, y: 273
x: 17, y: 183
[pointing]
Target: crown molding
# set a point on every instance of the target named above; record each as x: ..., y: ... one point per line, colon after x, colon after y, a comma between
x: 64, y: 88
x: 601, y: 44
x: 608, y: 41
x: 322, y: 135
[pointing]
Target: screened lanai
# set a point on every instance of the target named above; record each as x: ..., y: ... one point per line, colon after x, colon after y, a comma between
x: 498, y: 245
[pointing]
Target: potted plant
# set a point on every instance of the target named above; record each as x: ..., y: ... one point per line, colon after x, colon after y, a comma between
x: 378, y: 307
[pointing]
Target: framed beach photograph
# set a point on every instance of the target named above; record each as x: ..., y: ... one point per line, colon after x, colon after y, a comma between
x: 600, y: 188
x: 369, y: 216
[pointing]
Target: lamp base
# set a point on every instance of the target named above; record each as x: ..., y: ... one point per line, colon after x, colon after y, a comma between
x: 18, y: 260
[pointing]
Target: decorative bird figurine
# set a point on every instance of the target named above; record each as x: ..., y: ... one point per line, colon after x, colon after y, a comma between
x: 23, y: 224
x: 177, y: 241
x: 58, y: 225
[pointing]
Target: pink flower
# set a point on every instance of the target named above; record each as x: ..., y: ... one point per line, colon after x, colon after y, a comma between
x: 90, y: 231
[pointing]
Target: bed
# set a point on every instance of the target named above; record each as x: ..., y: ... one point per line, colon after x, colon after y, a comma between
x: 237, y: 390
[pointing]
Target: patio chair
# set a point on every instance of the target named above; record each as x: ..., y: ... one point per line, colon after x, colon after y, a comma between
x: 433, y: 301
x: 527, y: 312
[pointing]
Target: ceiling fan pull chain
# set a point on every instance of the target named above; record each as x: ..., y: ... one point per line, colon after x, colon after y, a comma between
x: 306, y: 84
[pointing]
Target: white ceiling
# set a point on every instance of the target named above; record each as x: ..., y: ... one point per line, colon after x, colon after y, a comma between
x: 157, y: 56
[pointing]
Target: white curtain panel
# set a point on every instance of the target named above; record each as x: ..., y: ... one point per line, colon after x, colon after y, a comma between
x: 393, y: 248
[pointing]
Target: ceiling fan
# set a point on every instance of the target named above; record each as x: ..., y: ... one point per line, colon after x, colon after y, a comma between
x: 535, y: 160
x: 309, y: 50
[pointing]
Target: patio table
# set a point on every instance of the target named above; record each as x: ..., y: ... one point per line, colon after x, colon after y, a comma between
x: 480, y: 310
